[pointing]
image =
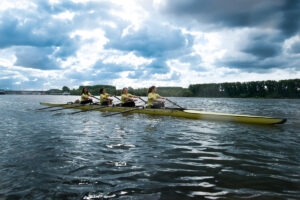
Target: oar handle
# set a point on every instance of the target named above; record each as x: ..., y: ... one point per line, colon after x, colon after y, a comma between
x: 175, y: 104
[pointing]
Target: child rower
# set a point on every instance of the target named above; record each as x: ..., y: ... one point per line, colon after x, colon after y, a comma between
x: 154, y: 99
x: 85, y: 96
x: 127, y: 100
x: 104, y: 97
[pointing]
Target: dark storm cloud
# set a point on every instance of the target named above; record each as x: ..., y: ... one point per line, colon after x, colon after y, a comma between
x: 263, y: 50
x: 136, y: 74
x: 146, y: 71
x: 247, y: 65
x: 149, y: 41
x: 20, y: 28
x: 226, y: 13
x: 282, y: 14
x: 195, y: 61
x: 99, y: 77
x: 158, y: 66
x: 110, y: 71
x: 267, y: 50
x: 35, y: 39
x: 111, y: 67
x: 37, y: 28
x: 295, y: 48
x: 159, y: 42
x: 34, y: 57
x: 256, y: 65
x: 290, y: 23
x: 280, y: 17
x: 99, y: 72
x: 14, y: 32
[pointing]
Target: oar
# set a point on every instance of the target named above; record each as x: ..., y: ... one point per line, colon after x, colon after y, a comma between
x: 67, y: 107
x: 53, y: 106
x: 142, y: 100
x: 175, y: 104
x: 99, y: 107
x: 96, y: 98
x: 121, y: 112
x: 117, y: 98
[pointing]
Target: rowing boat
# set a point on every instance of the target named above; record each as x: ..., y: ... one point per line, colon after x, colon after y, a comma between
x: 191, y: 114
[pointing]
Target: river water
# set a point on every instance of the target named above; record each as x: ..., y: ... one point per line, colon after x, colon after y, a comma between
x: 52, y: 155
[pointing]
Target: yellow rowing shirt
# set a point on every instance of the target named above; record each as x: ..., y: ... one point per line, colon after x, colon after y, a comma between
x: 151, y: 97
x: 103, y: 97
x: 85, y: 96
x: 124, y: 97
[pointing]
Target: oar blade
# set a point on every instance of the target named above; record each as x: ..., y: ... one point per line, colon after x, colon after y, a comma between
x: 54, y: 106
x: 121, y: 112
x: 88, y: 110
x: 67, y: 108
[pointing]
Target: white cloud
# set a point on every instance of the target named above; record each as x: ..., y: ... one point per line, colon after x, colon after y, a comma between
x: 64, y: 15
x: 90, y: 51
x: 126, y: 59
x: 19, y: 4
x: 144, y: 39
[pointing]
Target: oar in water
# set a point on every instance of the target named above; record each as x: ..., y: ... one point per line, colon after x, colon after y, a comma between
x: 54, y: 106
x: 67, y: 107
x: 175, y: 104
x: 99, y: 107
x: 121, y: 112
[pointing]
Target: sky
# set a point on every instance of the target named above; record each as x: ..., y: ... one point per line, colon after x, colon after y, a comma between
x: 48, y: 44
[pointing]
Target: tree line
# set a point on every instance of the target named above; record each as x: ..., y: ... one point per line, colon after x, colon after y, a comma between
x: 257, y: 89
x: 254, y: 89
x: 92, y: 89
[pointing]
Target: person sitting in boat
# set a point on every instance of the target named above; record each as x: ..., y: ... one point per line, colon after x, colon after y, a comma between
x: 154, y: 99
x: 85, y: 96
x: 104, y: 97
x: 127, y: 100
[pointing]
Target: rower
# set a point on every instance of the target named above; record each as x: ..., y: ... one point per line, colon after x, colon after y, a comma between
x: 127, y: 100
x: 104, y: 97
x: 85, y: 96
x: 154, y: 99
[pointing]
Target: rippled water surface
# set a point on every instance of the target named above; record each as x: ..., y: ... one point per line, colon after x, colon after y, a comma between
x: 53, y: 155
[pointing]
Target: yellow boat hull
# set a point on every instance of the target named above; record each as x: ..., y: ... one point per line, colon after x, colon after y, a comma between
x: 191, y: 114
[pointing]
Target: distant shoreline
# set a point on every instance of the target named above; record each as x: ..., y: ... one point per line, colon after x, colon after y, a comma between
x: 166, y: 96
x: 283, y: 89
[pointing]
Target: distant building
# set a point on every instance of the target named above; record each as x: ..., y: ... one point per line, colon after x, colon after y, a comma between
x: 66, y: 93
x: 2, y: 92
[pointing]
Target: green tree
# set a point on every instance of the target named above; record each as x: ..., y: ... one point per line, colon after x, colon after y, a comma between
x: 65, y: 89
